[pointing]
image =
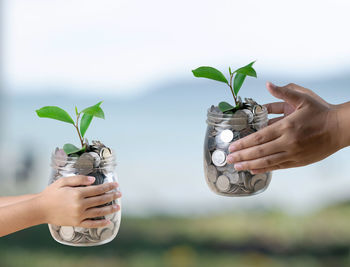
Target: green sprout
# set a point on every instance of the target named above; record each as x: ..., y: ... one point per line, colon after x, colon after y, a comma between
x: 56, y: 113
x: 238, y: 77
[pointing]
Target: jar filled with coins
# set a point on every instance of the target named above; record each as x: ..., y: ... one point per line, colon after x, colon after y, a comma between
x: 98, y: 161
x: 223, y: 129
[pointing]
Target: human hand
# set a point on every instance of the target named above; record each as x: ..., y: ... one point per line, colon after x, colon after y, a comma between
x: 66, y: 202
x: 308, y: 132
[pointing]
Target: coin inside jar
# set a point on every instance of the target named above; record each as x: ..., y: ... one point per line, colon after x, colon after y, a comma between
x: 105, y: 153
x: 96, y: 158
x: 226, y: 136
x: 67, y: 232
x: 84, y: 164
x: 249, y: 114
x: 219, y: 158
x: 223, y: 183
x: 212, y: 173
x: 257, y: 109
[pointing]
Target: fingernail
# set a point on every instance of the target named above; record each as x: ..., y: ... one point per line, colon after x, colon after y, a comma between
x: 91, y: 178
x: 238, y: 166
x: 231, y: 148
x: 115, y: 207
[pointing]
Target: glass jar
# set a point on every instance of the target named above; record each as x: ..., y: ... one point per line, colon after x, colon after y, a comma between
x: 104, y: 172
x: 223, y: 129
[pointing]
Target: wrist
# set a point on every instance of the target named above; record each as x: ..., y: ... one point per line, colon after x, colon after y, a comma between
x: 343, y: 122
x: 41, y: 210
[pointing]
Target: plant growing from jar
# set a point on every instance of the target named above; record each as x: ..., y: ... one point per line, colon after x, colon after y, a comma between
x: 81, y: 123
x: 226, y: 124
x: 90, y: 159
x: 235, y: 82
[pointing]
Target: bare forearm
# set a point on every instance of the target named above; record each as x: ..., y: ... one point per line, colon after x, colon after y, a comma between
x: 21, y: 215
x: 344, y: 123
x: 4, y: 201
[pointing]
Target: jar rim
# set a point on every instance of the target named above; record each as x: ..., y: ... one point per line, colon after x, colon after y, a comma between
x: 56, y: 162
x: 261, y: 114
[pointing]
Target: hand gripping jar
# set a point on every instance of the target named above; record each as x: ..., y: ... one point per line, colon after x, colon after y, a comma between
x: 223, y: 129
x: 103, y: 169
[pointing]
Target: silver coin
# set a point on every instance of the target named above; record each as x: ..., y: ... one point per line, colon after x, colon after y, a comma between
x: 85, y: 164
x: 93, y: 234
x: 78, y: 237
x: 227, y: 167
x: 223, y: 183
x: 105, y: 153
x: 67, y: 233
x: 212, y: 173
x: 240, y: 120
x: 60, y: 157
x: 226, y: 136
x: 96, y: 158
x: 234, y: 188
x: 222, y: 168
x: 250, y: 101
x: 257, y: 178
x: 233, y: 177
x: 259, y: 185
x: 106, y: 234
x: 246, y: 180
x: 250, y: 115
x: 257, y: 109
x: 217, y: 114
x: 101, y: 229
x: 219, y: 158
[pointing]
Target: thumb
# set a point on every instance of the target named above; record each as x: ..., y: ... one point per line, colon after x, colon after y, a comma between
x: 287, y: 93
x: 76, y: 180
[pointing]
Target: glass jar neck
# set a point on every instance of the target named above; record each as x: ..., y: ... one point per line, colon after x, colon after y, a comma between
x: 69, y: 163
x: 239, y: 118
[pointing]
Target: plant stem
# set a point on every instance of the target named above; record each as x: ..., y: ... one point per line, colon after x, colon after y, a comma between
x: 230, y: 85
x: 77, y: 127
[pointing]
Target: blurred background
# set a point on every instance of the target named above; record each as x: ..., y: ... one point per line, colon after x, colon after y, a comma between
x: 137, y: 57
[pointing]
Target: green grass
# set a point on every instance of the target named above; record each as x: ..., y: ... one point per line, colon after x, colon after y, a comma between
x: 255, y: 238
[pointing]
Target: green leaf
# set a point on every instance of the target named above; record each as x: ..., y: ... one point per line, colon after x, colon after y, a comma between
x: 247, y: 70
x: 240, y: 76
x: 95, y: 111
x: 237, y: 82
x: 209, y: 73
x: 87, y: 118
x: 85, y: 123
x: 76, y: 111
x: 224, y: 107
x: 56, y: 113
x: 70, y: 149
x: 229, y: 70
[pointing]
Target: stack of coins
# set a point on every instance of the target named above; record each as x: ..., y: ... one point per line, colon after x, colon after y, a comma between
x: 223, y: 129
x: 98, y: 161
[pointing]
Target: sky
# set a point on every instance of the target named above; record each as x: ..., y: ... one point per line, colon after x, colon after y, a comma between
x: 125, y: 47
